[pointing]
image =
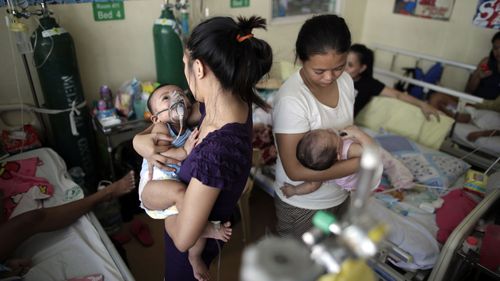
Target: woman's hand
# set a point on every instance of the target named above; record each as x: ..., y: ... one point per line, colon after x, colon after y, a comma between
x: 428, y: 110
x: 483, y: 70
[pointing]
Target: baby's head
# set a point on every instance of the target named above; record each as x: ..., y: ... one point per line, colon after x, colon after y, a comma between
x: 317, y: 150
x: 161, y: 104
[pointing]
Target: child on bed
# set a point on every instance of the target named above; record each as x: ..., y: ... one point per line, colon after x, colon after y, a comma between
x: 155, y: 184
x: 319, y: 149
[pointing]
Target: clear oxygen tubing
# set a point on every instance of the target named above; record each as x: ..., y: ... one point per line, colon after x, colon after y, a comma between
x: 491, y: 166
x: 477, y: 148
x: 178, y: 107
x: 17, y: 79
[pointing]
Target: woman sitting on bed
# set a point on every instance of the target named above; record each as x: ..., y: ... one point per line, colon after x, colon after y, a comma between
x: 360, y: 66
x: 484, y: 82
x: 19, y: 228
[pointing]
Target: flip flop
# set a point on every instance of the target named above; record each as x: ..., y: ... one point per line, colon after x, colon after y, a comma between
x: 140, y: 230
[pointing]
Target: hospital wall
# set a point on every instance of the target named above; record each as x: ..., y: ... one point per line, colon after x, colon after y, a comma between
x: 111, y: 52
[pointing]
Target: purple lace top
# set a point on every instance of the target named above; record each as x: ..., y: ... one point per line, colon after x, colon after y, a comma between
x: 222, y: 160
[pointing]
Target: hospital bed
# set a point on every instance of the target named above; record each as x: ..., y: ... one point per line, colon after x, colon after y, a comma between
x: 483, y: 152
x: 79, y: 250
x: 411, y: 251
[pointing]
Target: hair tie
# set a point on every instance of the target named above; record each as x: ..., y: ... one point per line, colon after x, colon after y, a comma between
x: 240, y: 38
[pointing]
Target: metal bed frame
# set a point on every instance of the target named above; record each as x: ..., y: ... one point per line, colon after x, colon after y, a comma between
x: 452, y: 145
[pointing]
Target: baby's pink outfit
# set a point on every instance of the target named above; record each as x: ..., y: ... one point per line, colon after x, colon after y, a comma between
x: 348, y: 182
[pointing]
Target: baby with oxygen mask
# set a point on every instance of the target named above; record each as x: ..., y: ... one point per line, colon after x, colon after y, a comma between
x: 172, y: 113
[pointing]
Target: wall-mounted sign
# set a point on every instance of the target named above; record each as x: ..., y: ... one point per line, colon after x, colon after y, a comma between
x: 108, y: 11
x: 240, y: 3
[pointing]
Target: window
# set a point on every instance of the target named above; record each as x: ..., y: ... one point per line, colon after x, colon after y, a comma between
x: 286, y: 10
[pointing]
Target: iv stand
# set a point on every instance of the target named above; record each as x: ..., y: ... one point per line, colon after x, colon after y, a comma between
x: 26, y: 14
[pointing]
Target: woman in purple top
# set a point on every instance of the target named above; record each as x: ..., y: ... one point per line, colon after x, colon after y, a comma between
x: 222, y: 63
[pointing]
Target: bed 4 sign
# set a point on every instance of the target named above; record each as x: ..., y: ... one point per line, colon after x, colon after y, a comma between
x: 108, y: 10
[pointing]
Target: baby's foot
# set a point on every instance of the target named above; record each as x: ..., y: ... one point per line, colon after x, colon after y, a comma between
x: 218, y: 231
x: 288, y: 190
x: 122, y: 186
x: 200, y: 269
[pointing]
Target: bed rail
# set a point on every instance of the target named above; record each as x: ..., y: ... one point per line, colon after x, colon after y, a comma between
x: 442, y: 267
x: 463, y: 97
x: 421, y: 56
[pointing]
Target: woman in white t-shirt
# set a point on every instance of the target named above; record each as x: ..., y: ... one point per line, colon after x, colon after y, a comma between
x: 319, y: 95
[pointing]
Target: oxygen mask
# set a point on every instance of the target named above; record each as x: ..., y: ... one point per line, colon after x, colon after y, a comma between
x: 176, y: 111
x: 177, y: 108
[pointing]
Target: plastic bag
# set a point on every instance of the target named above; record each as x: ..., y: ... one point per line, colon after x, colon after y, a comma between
x: 124, y: 99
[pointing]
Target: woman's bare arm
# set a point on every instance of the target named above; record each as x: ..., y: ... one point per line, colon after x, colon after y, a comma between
x: 476, y: 76
x: 188, y: 225
x: 287, y: 145
x: 426, y: 108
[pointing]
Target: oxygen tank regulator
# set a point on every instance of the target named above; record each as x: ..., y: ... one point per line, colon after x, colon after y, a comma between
x: 333, y: 250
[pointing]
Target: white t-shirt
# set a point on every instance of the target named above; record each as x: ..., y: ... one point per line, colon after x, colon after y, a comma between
x: 295, y: 111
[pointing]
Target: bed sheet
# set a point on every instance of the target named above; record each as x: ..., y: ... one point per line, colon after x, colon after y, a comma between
x: 490, y: 145
x: 414, y: 233
x: 54, y: 170
x: 75, y: 251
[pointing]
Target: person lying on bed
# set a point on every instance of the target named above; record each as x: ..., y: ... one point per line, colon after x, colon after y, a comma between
x: 156, y: 185
x: 484, y: 116
x: 18, y: 229
x: 360, y: 60
x: 484, y: 82
x: 319, y: 149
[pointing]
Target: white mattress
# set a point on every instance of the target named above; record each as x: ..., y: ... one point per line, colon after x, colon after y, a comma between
x: 75, y: 251
x: 490, y: 145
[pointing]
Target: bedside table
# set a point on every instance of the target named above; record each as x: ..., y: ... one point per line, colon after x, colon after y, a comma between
x: 117, y: 134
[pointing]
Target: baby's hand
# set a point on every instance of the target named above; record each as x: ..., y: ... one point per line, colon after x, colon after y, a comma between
x: 288, y: 190
x: 351, y: 132
x: 356, y: 134
x: 191, y: 141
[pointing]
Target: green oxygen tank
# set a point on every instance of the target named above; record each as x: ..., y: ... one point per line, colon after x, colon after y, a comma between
x: 55, y: 60
x: 168, y: 49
